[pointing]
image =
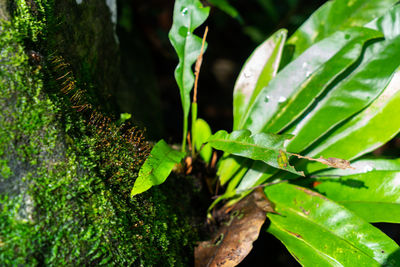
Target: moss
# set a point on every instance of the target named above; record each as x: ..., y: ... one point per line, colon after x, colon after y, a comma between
x: 65, y: 182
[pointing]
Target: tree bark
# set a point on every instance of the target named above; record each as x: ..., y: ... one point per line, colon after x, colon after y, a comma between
x: 66, y: 163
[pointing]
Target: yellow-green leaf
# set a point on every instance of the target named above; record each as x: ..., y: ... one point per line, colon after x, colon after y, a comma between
x: 157, y: 167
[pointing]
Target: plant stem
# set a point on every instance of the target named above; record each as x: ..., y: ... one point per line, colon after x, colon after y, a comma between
x: 194, y: 118
x: 185, y: 126
x: 194, y: 103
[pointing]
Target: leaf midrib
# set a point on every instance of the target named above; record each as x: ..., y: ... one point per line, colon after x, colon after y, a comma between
x: 366, y: 202
x: 299, y: 214
x: 245, y: 144
x: 308, y: 243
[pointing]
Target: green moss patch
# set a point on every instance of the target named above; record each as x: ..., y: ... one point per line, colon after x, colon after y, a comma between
x: 64, y: 181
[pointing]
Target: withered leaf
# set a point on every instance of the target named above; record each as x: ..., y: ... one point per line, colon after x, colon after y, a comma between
x: 331, y: 162
x: 233, y: 241
x: 338, y: 163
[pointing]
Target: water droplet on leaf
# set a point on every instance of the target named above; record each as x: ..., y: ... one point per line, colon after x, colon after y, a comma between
x: 266, y: 99
x: 184, y: 11
x: 367, y: 168
x: 308, y: 74
x: 247, y: 74
x: 281, y: 99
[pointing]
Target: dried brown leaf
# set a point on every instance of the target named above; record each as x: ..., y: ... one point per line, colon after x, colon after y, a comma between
x: 233, y: 241
x: 331, y: 162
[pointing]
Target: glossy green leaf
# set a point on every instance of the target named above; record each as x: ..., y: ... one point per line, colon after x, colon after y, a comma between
x: 231, y: 193
x: 256, y: 73
x: 314, y: 69
x: 258, y: 173
x: 366, y: 131
x: 188, y: 15
x: 334, y: 16
x: 351, y: 95
x: 374, y: 195
x: 157, y: 167
x: 228, y: 166
x: 251, y: 174
x: 234, y: 180
x: 320, y: 80
x: 373, y: 126
x: 387, y: 23
x: 202, y: 132
x: 237, y: 177
x: 227, y: 8
x: 308, y: 222
x: 304, y: 251
x: 265, y: 147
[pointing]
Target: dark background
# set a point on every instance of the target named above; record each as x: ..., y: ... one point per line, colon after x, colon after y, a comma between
x: 148, y: 89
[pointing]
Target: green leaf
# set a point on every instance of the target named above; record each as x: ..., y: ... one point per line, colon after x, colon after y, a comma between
x: 262, y: 66
x: 230, y: 190
x: 334, y: 16
x: 320, y: 80
x: 265, y: 147
x: 259, y: 69
x: 315, y: 229
x: 157, y: 167
x: 373, y: 195
x: 376, y: 124
x: 350, y: 95
x: 250, y: 174
x: 227, y: 8
x: 229, y: 166
x: 202, y: 132
x: 306, y: 253
x: 188, y: 15
x: 258, y: 173
x: 237, y: 177
x: 388, y: 23
x: 366, y: 131
x: 125, y: 116
x: 308, y: 76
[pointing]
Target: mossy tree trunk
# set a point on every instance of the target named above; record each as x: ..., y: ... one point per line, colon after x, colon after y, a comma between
x: 66, y: 164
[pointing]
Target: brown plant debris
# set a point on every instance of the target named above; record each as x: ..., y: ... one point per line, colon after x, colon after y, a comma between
x: 233, y: 241
x: 331, y: 162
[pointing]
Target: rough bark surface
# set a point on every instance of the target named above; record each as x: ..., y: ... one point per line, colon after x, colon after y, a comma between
x: 66, y: 166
